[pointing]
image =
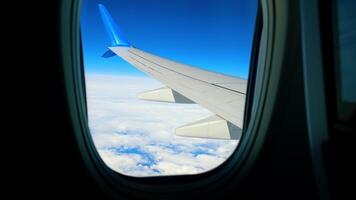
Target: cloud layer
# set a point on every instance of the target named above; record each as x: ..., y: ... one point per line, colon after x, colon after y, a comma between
x: 136, y: 137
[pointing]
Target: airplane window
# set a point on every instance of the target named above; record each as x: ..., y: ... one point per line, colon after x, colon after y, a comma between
x: 166, y: 82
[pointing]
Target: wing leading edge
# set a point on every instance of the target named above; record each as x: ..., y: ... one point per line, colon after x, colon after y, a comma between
x: 221, y: 94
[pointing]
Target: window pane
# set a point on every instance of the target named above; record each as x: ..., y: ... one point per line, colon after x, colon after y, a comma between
x: 344, y: 25
x: 174, y: 130
x: 346, y: 47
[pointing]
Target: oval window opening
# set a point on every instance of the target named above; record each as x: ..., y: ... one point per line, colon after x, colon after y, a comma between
x: 166, y: 82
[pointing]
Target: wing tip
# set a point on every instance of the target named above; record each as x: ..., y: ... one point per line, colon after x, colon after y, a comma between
x: 111, y: 27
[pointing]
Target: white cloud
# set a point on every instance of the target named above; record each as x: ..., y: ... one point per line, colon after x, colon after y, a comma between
x: 136, y: 137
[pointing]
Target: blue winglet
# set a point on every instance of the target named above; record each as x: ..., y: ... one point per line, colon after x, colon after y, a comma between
x: 112, y: 29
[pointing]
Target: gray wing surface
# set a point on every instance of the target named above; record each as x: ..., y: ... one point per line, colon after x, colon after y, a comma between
x: 221, y: 94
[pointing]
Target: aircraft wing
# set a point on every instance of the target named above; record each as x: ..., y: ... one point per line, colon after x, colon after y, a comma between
x: 221, y: 94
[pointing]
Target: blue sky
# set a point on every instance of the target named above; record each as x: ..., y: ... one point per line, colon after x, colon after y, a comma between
x: 212, y: 34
